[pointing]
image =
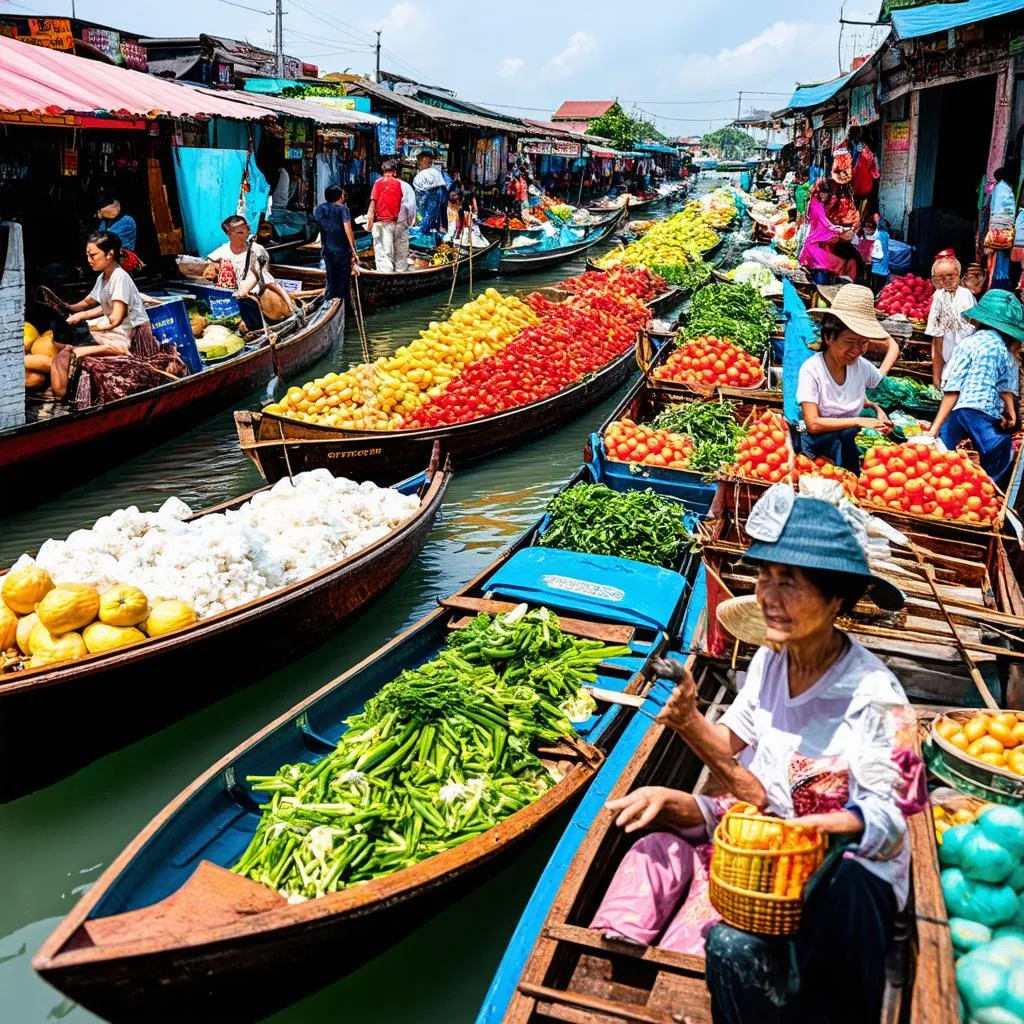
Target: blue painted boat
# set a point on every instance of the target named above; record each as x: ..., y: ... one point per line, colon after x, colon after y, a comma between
x: 504, y: 987
x: 168, y: 928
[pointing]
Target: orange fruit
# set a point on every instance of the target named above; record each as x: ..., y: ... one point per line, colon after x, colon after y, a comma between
x: 1007, y: 718
x: 1002, y: 732
x: 985, y: 745
x: 996, y: 760
x: 1018, y: 731
x: 1015, y: 761
x: 946, y: 727
x: 976, y: 728
x: 959, y: 740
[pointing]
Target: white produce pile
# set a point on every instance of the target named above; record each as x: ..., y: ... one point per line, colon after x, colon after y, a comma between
x: 282, y: 535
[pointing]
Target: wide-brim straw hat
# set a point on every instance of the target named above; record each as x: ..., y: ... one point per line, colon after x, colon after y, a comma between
x: 854, y: 305
x: 741, y: 617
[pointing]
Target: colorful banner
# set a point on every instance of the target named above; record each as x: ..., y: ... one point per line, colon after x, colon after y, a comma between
x: 550, y: 147
x: 897, y: 137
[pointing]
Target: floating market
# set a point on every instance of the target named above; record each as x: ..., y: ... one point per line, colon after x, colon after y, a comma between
x: 576, y: 571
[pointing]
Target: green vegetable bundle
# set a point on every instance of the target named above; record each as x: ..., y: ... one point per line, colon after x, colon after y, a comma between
x: 439, y: 755
x: 595, y: 520
x: 900, y: 392
x: 711, y: 426
x: 689, y: 276
x: 735, y: 311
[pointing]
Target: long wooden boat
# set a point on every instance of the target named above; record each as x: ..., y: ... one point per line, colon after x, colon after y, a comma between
x: 167, y: 928
x: 378, y: 289
x: 187, y: 670
x: 385, y: 455
x: 556, y: 968
x: 513, y: 262
x: 58, y: 453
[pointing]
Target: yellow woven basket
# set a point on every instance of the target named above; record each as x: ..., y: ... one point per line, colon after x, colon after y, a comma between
x: 759, y: 867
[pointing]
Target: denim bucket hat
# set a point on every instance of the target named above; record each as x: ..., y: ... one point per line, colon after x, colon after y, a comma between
x: 816, y: 536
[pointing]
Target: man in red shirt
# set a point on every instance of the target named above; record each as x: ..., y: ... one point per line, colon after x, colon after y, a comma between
x: 384, y: 221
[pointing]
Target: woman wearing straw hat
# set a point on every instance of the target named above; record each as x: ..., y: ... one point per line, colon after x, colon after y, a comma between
x: 982, y: 384
x: 833, y: 384
x: 812, y: 736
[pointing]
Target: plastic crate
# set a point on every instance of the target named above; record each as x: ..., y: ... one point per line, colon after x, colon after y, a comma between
x: 171, y: 326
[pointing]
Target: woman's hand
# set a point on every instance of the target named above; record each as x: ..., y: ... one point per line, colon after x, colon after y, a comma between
x: 75, y: 318
x: 681, y: 707
x: 871, y: 423
x: 640, y: 808
x: 836, y: 823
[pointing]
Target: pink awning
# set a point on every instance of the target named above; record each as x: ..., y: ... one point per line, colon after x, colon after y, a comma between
x: 42, y: 81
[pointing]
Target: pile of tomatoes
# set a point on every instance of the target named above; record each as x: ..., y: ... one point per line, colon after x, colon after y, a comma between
x: 626, y: 441
x: 763, y: 453
x: 575, y: 338
x: 709, y: 362
x: 909, y: 295
x: 919, y: 480
x: 637, y: 282
x: 500, y: 222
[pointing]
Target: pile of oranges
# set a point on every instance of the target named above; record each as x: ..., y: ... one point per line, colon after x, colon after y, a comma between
x: 994, y: 738
x: 626, y: 441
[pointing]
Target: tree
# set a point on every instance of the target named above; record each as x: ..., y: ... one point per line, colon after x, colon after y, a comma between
x: 623, y: 131
x: 731, y: 143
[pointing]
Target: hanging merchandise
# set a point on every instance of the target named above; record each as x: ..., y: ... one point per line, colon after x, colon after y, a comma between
x: 387, y: 137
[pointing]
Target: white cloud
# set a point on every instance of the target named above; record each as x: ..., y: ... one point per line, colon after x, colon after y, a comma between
x: 772, y: 50
x: 566, y: 62
x: 510, y: 67
x: 401, y: 16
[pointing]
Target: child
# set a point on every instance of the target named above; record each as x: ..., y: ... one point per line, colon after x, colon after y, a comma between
x: 878, y: 231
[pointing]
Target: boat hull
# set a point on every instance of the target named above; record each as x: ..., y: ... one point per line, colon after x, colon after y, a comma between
x: 164, y: 681
x: 386, y: 456
x: 59, y: 453
x: 524, y: 263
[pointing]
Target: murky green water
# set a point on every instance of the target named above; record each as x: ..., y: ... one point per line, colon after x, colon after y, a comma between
x: 55, y: 843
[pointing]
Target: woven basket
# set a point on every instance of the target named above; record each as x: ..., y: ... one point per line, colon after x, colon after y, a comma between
x: 754, y: 887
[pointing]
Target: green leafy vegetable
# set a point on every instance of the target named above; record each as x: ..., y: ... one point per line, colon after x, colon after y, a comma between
x: 712, y: 427
x: 735, y: 311
x: 595, y: 520
x: 438, y: 756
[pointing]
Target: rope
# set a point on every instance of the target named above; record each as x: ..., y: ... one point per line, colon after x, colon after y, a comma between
x: 360, y: 320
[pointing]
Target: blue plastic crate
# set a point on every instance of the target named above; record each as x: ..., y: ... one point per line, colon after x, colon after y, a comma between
x: 171, y: 326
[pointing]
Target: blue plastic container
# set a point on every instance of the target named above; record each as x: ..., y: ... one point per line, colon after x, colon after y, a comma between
x: 171, y: 326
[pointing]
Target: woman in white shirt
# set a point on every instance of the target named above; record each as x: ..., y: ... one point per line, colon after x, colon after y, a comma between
x: 832, y: 385
x: 946, y: 324
x: 818, y: 734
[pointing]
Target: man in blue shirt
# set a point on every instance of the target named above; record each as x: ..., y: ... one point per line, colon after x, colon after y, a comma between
x: 983, y: 384
x: 337, y: 242
x: 112, y: 219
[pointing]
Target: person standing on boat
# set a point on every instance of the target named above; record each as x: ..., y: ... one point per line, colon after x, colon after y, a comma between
x: 431, y: 194
x: 833, y: 384
x: 820, y: 734
x: 390, y: 235
x: 337, y: 242
x: 982, y: 384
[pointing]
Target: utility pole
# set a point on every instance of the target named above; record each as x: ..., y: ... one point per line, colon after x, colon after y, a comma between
x: 739, y: 102
x: 279, y: 38
x: 377, y: 75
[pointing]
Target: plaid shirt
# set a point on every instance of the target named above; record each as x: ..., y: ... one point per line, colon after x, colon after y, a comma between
x: 982, y: 369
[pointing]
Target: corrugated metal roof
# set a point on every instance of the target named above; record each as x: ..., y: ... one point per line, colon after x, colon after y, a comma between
x: 583, y: 110
x: 322, y: 113
x: 43, y: 81
x: 913, y: 22
x: 429, y: 112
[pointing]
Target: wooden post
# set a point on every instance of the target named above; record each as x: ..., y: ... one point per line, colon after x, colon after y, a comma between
x: 12, y: 316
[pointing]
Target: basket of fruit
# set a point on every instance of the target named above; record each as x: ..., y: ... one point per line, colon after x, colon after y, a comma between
x: 981, y: 752
x: 909, y: 295
x: 759, y: 868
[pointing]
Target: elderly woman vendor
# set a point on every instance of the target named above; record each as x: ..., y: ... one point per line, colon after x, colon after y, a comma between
x: 811, y: 737
x: 832, y: 385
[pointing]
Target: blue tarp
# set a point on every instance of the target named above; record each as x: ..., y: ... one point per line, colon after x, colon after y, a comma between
x: 800, y: 333
x: 654, y: 147
x: 812, y: 95
x: 925, y: 21
x: 209, y: 182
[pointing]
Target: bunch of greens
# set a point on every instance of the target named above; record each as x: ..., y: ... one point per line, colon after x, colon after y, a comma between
x: 689, y: 276
x: 439, y: 755
x: 900, y: 392
x: 595, y: 520
x: 735, y: 311
x: 711, y: 426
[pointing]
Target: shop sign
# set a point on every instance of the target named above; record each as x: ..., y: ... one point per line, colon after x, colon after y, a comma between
x: 387, y: 137
x: 896, y: 137
x: 106, y: 40
x: 69, y: 162
x: 359, y: 103
x: 135, y: 56
x: 551, y: 147
x: 69, y: 120
x: 53, y: 33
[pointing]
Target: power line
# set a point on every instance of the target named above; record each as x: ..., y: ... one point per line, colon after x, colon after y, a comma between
x: 254, y: 10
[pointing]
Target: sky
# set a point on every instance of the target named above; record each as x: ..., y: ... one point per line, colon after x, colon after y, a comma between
x: 681, y: 65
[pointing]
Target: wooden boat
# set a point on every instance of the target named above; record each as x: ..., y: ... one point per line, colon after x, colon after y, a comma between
x: 167, y: 928
x: 187, y: 670
x: 378, y: 290
x: 58, y: 453
x: 556, y: 968
x: 385, y: 455
x: 523, y: 262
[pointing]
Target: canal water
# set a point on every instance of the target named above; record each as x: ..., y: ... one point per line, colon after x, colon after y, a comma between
x: 56, y: 842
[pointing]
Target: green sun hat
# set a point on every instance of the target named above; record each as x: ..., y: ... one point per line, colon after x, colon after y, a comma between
x: 1000, y: 310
